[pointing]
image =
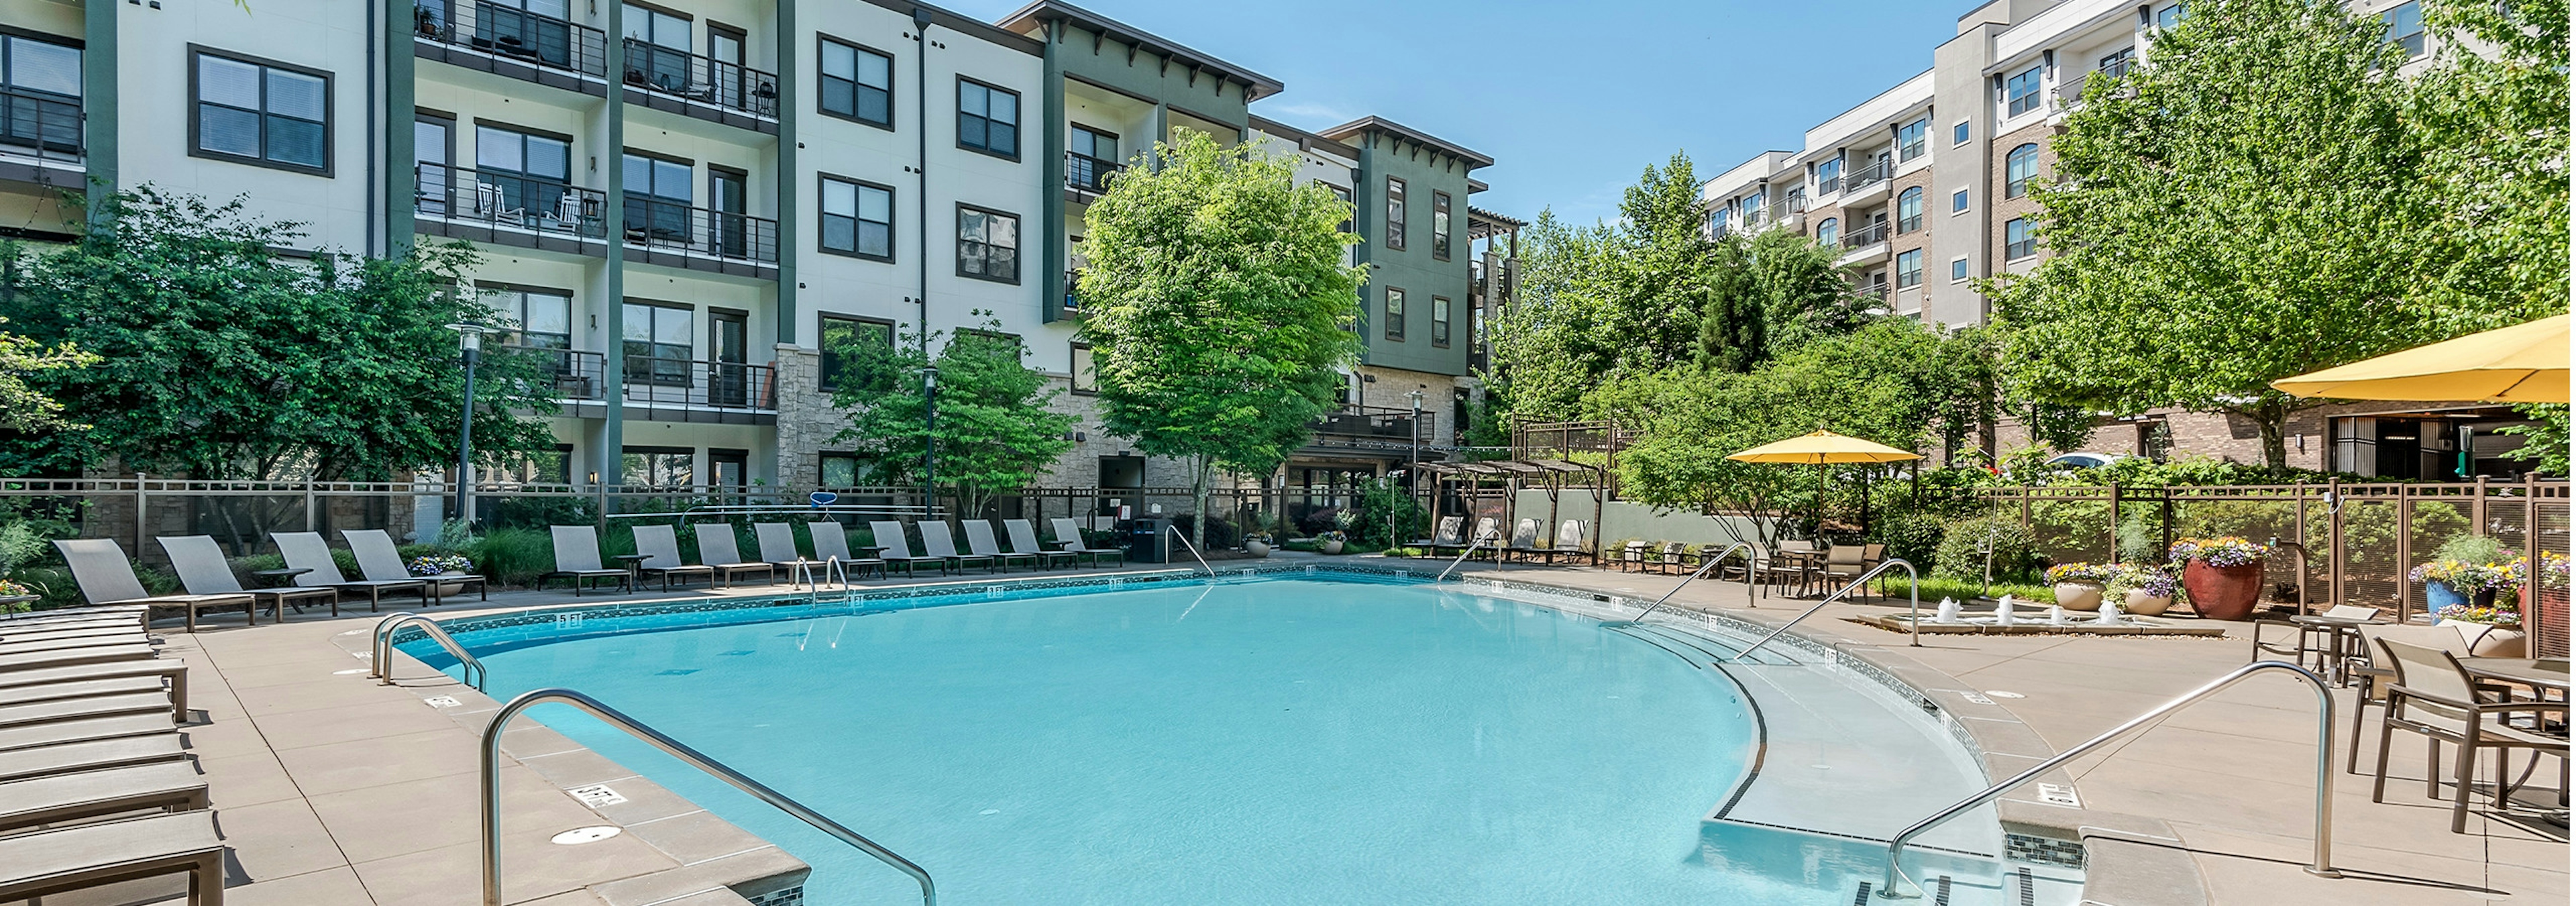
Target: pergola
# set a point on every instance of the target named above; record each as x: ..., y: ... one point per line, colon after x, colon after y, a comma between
x: 1548, y: 474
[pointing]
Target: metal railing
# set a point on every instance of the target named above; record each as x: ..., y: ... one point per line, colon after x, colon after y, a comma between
x: 514, y: 34
x: 672, y: 747
x: 46, y: 126
x: 1489, y: 535
x: 1085, y: 173
x: 382, y: 648
x: 2321, y: 865
x: 1193, y: 549
x: 1368, y: 426
x: 681, y: 74
x: 662, y: 223
x: 503, y: 200
x: 1703, y: 571
x: 1866, y: 175
x: 1872, y: 234
x: 1913, y: 592
x: 579, y: 375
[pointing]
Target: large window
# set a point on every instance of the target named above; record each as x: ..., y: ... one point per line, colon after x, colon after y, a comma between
x: 841, y: 336
x: 1440, y: 321
x: 1394, y: 313
x: 988, y: 245
x: 2169, y: 16
x: 261, y: 113
x: 839, y: 470
x: 988, y: 118
x: 857, y: 83
x: 542, y: 319
x: 1829, y: 176
x: 659, y: 467
x: 1395, y: 213
x: 858, y: 219
x: 1911, y: 138
x: 40, y: 102
x: 658, y: 198
x: 2018, y: 242
x: 1909, y: 268
x: 526, y: 171
x: 2118, y: 63
x: 2021, y: 92
x: 657, y: 48
x: 1086, y: 372
x: 2405, y: 23
x: 1829, y: 231
x: 658, y: 342
x: 1909, y: 210
x: 1440, y: 225
x: 2020, y: 167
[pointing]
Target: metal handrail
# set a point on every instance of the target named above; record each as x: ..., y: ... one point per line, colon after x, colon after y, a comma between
x: 671, y: 747
x: 1703, y: 571
x: 383, y: 649
x: 1490, y: 534
x: 2322, y: 866
x: 1194, y: 549
x: 1915, y: 592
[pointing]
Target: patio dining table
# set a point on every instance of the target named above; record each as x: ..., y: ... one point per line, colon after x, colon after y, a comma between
x: 2543, y: 675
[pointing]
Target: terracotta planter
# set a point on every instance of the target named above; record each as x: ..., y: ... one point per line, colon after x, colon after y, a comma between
x: 2548, y: 617
x: 2489, y: 641
x: 2142, y: 604
x: 2079, y: 594
x: 2223, y: 592
x: 1256, y: 548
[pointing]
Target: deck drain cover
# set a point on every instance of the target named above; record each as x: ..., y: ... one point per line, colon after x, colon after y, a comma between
x: 441, y: 701
x: 592, y: 834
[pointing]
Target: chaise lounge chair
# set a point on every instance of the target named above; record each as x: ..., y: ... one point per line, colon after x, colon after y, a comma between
x: 91, y: 755
x: 380, y: 561
x: 898, y: 551
x: 152, y: 701
x: 36, y: 801
x: 716, y: 548
x: 1444, y: 534
x: 1069, y: 537
x: 201, y: 567
x: 106, y: 578
x: 979, y: 541
x: 1024, y: 540
x: 307, y: 551
x: 661, y: 550
x: 778, y: 547
x: 92, y: 855
x: 173, y: 672
x: 83, y: 730
x: 936, y: 542
x: 832, y: 542
x: 577, y: 558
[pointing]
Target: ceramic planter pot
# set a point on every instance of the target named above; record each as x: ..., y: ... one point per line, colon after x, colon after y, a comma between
x: 1256, y: 548
x: 2484, y: 640
x: 2079, y: 594
x: 2438, y: 595
x: 2223, y: 592
x: 451, y: 589
x: 2142, y: 604
x: 1329, y: 547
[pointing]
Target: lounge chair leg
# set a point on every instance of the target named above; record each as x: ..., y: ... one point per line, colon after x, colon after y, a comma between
x: 2468, y: 776
x: 2379, y: 775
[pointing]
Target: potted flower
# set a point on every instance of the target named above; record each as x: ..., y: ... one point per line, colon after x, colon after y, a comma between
x: 427, y: 565
x: 2079, y: 586
x: 2144, y: 590
x: 2223, y: 577
x: 15, y: 596
x: 1257, y: 544
x: 2488, y: 631
x: 2451, y: 583
x: 1330, y: 542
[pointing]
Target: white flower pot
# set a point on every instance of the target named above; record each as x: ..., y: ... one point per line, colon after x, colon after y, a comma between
x: 1256, y: 548
x: 450, y: 589
x: 2079, y: 594
x: 2142, y: 604
x: 1330, y: 547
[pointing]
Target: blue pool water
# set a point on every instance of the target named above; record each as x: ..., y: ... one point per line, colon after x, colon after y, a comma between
x: 1281, y: 741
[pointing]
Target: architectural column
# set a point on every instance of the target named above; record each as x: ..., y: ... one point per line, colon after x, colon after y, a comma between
x: 401, y: 183
x: 98, y: 101
x: 785, y: 175
x: 609, y: 458
x: 1051, y: 285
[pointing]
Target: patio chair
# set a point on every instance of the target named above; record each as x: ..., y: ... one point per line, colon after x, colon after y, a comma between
x: 1524, y: 541
x: 1444, y: 534
x: 1844, y: 563
x: 36, y: 693
x: 86, y: 856
x: 73, y: 657
x: 898, y: 551
x: 980, y: 542
x: 61, y: 798
x: 661, y: 549
x: 832, y: 542
x: 1024, y: 540
x: 380, y: 561
x: 106, y: 578
x: 2434, y: 697
x: 306, y: 551
x: 577, y: 558
x: 936, y: 542
x: 778, y: 547
x: 1569, y: 541
x: 716, y: 548
x: 202, y: 569
x: 1632, y: 554
x: 1068, y: 537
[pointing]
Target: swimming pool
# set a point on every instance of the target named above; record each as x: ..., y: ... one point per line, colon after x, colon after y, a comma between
x: 1304, y: 739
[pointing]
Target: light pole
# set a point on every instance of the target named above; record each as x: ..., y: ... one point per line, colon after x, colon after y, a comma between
x: 469, y: 338
x: 1413, y: 454
x: 929, y: 439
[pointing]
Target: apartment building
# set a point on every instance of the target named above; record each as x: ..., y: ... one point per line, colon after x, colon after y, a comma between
x: 1925, y: 189
x: 680, y: 203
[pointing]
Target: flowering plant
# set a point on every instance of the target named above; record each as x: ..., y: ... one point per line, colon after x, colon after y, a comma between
x: 2220, y: 552
x: 436, y: 564
x: 11, y: 588
x: 2553, y: 570
x: 2156, y: 581
x: 2083, y: 572
x: 1334, y: 535
x: 2464, y: 577
x: 2471, y: 613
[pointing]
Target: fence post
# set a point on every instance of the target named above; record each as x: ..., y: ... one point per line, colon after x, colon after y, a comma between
x: 142, y: 517
x: 2478, y: 509
x: 308, y: 506
x: 2164, y: 509
x: 2115, y: 523
x: 2299, y: 533
x: 2405, y: 550
x: 2334, y: 542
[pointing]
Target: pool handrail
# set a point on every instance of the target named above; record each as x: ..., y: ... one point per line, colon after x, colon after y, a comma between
x: 382, y: 649
x: 2321, y: 865
x: 1686, y: 580
x: 1914, y: 591
x: 492, y: 787
x: 1490, y: 534
x: 1194, y: 549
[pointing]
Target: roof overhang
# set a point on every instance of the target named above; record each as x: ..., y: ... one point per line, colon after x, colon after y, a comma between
x: 1028, y: 18
x: 1345, y: 132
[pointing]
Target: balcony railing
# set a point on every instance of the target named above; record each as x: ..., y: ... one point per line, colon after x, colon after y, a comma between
x: 508, y: 201
x: 681, y: 74
x: 1085, y: 173
x: 660, y: 382
x: 662, y: 223
x: 47, y: 126
x: 1865, y: 175
x: 1379, y: 427
x: 514, y: 34
x: 1864, y: 236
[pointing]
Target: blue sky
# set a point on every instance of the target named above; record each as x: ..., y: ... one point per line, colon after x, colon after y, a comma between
x: 1571, y: 99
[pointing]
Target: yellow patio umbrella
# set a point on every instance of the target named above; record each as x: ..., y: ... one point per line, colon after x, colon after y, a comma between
x: 2525, y: 363
x: 1819, y: 449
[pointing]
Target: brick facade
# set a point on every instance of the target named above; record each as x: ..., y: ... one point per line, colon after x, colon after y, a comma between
x: 2003, y: 210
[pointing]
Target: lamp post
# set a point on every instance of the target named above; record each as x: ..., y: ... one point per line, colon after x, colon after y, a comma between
x: 929, y: 439
x: 1413, y: 453
x: 469, y: 339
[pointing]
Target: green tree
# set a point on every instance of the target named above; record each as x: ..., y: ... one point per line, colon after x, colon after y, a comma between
x: 1219, y: 307
x: 1805, y: 295
x: 24, y: 408
x: 220, y: 357
x: 2492, y: 115
x: 995, y: 430
x: 2249, y: 205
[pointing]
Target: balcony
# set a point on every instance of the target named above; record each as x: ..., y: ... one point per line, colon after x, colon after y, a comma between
x: 1383, y: 430
x: 677, y: 81
x: 1087, y: 176
x: 508, y: 209
x: 512, y: 42
x: 1864, y: 244
x: 674, y: 234
x: 40, y: 138
x: 670, y: 390
x: 1867, y: 182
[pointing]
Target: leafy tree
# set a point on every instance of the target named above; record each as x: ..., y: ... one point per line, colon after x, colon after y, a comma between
x: 2250, y: 205
x: 995, y: 431
x: 1805, y: 294
x: 24, y: 408
x: 1219, y: 307
x: 2492, y: 114
x: 220, y: 357
x: 1551, y: 344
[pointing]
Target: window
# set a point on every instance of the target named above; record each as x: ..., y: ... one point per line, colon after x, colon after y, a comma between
x: 1959, y: 201
x: 1829, y: 176
x: 988, y: 118
x: 2118, y: 63
x: 2405, y: 23
x: 1909, y: 210
x: 658, y: 342
x: 1394, y: 313
x: 2018, y: 243
x: 1909, y: 268
x: 1958, y: 270
x: 658, y: 199
x: 1440, y: 322
x: 857, y: 83
x: 1717, y: 224
x: 1348, y: 225
x: 1086, y: 373
x: 659, y: 467
x: 530, y: 171
x: 657, y: 49
x: 1395, y: 213
x: 543, y: 317
x: 841, y: 336
x: 2019, y: 167
x: 858, y: 219
x: 535, y: 467
x: 2169, y: 16
x: 2021, y: 93
x: 1091, y: 160
x: 1829, y: 232
x: 1440, y: 225
x: 988, y: 245
x: 839, y: 470
x: 259, y: 113
x: 1959, y: 132
x: 42, y: 107
x: 1910, y: 137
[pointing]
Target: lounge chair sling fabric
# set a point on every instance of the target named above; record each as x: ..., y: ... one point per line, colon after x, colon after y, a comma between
x: 1447, y: 533
x: 716, y: 548
x: 173, y: 672
x: 380, y: 561
x: 777, y: 543
x: 832, y: 542
x: 55, y: 734
x: 90, y: 855
x: 66, y: 657
x: 93, y: 754
x: 1070, y: 536
x: 307, y: 551
x: 152, y: 702
x: 661, y: 549
x: 936, y: 542
x: 897, y: 550
x: 201, y: 567
x: 979, y: 539
x: 106, y: 577
x: 92, y: 794
x: 1024, y: 540
x: 577, y: 558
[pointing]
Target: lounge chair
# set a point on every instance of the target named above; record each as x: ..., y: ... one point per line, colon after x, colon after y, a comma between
x: 135, y: 612
x: 175, y: 673
x: 1444, y: 534
x: 37, y: 646
x: 778, y: 546
x: 69, y: 657
x: 81, y: 731
x: 661, y: 549
x: 124, y: 629
x: 1024, y: 540
x: 36, y: 801
x: 1484, y: 534
x: 92, y: 755
x: 307, y: 551
x: 936, y: 542
x: 1069, y: 537
x: 80, y: 688
x: 898, y: 552
x: 716, y: 548
x: 1524, y: 541
x: 832, y: 542
x: 380, y: 561
x: 106, y: 578
x: 980, y: 542
x: 152, y: 701
x: 201, y: 567
x: 84, y: 856
x: 1568, y: 543
x: 577, y: 558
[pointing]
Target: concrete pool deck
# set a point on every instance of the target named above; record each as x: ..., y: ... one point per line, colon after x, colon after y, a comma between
x: 334, y: 789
